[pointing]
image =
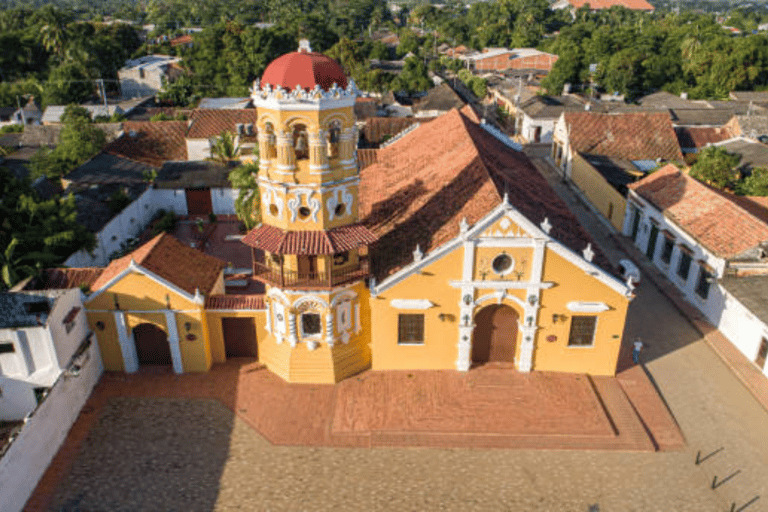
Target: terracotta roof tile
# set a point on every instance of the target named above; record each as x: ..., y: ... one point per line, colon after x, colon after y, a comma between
x: 635, y: 136
x: 700, y: 136
x: 151, y: 143
x: 379, y: 129
x: 235, y: 302
x: 714, y: 218
x: 171, y: 260
x: 366, y: 157
x: 451, y: 168
x: 340, y: 239
x: 207, y: 123
x: 61, y: 278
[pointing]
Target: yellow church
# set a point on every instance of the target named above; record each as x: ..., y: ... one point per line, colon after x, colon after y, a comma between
x: 449, y: 252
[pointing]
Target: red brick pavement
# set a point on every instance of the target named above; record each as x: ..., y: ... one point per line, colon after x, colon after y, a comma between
x: 484, y: 408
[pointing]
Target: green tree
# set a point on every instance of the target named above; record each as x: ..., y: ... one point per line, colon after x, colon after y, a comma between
x: 716, y: 166
x: 756, y: 184
x: 224, y: 148
x: 247, y: 204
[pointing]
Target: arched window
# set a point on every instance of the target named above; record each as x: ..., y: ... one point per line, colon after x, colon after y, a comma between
x: 300, y: 142
x: 271, y: 146
x: 334, y: 134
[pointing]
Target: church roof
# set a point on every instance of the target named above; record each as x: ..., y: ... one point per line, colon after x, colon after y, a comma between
x: 448, y: 169
x: 340, y: 239
x: 305, y: 69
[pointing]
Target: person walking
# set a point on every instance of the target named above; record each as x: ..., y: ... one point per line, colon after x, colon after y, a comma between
x: 637, y: 347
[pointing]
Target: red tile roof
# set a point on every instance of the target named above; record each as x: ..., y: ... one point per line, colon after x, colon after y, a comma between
x: 206, y: 123
x: 235, y: 302
x: 366, y: 157
x: 62, y: 278
x: 378, y: 129
x: 700, y: 136
x: 171, y: 260
x: 185, y: 39
x: 714, y: 218
x: 451, y: 168
x: 151, y: 143
x: 275, y: 240
x: 638, y: 5
x: 632, y: 136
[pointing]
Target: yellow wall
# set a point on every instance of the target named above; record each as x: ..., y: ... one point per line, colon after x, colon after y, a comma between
x: 138, y: 296
x: 598, y: 191
x: 574, y: 284
x: 441, y: 336
x: 216, y: 336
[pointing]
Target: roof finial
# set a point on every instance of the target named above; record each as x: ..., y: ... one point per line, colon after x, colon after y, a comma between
x: 463, y: 225
x: 506, y: 199
x: 589, y: 253
x: 546, y: 226
x: 417, y: 254
x: 304, y: 46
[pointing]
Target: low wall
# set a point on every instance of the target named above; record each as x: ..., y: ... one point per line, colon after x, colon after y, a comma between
x: 29, y: 455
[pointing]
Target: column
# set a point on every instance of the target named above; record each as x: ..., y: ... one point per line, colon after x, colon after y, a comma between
x: 466, y: 327
x: 318, y: 152
x: 347, y: 141
x: 286, y: 157
x: 329, y: 328
x: 127, y: 345
x: 173, y: 341
x: 264, y: 139
x: 292, y: 339
x: 526, y: 350
x: 268, y: 327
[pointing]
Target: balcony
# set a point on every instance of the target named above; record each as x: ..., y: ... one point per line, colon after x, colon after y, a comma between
x: 282, y: 278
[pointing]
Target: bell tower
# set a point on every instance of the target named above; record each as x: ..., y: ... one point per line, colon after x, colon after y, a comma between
x: 315, y: 256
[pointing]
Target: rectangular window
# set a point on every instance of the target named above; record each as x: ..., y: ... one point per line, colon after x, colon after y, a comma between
x: 310, y: 324
x: 684, y: 267
x: 341, y: 258
x: 666, y: 252
x: 650, y: 251
x: 635, y: 222
x: 702, y: 286
x: 582, y: 331
x: 410, y: 329
x: 6, y: 347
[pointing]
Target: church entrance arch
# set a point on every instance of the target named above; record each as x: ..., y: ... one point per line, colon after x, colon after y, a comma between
x: 495, y: 335
x: 152, y: 347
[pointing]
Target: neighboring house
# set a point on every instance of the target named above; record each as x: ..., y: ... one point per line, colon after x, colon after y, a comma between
x: 29, y: 114
x: 147, y: 75
x: 754, y: 127
x: 439, y: 100
x: 712, y: 246
x: 40, y: 334
x: 196, y: 188
x: 206, y: 125
x: 474, y: 258
x: 503, y: 59
x: 53, y: 113
x: 151, y: 143
x: 753, y: 154
x: 693, y: 139
x: 225, y: 103
x: 759, y: 97
x: 535, y: 119
x: 596, y: 5
x: 49, y: 364
x: 7, y: 117
x: 603, y: 153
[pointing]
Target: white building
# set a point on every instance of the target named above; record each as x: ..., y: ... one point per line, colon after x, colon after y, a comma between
x: 713, y: 246
x: 40, y: 334
x: 147, y: 75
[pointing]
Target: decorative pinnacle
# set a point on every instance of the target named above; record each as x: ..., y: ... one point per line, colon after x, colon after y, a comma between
x: 417, y: 254
x: 589, y: 253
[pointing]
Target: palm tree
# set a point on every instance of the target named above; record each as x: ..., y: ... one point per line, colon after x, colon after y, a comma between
x: 224, y: 149
x: 53, y: 33
x: 14, y: 268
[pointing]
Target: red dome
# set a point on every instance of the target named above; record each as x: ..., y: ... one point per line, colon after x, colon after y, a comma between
x: 306, y: 69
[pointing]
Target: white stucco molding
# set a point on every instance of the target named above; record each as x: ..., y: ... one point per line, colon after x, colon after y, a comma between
x: 197, y: 298
x: 421, y: 304
x: 587, y: 307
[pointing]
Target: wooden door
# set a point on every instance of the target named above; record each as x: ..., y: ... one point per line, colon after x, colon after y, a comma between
x: 199, y: 201
x: 762, y: 354
x: 239, y: 337
x: 307, y: 265
x: 495, y: 335
x: 635, y: 223
x: 152, y: 346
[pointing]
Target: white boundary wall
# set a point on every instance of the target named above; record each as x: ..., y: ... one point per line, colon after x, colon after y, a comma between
x: 31, y: 452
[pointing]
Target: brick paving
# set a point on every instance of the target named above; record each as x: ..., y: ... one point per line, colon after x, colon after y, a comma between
x: 484, y: 408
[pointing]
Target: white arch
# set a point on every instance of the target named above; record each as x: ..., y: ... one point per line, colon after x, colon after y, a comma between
x: 345, y: 295
x: 310, y: 298
x: 500, y: 296
x: 275, y: 293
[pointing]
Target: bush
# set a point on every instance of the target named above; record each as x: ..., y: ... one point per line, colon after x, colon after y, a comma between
x: 12, y: 128
x: 166, y: 222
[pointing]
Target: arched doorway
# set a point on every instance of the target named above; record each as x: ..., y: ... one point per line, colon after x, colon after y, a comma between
x: 495, y: 335
x: 152, y: 346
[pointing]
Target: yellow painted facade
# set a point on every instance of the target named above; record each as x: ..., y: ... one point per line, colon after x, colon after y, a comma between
x: 544, y: 314
x: 216, y: 335
x: 606, y: 199
x: 139, y: 299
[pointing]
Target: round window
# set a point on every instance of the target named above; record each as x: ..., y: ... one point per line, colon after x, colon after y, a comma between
x: 340, y: 209
x: 304, y: 212
x: 273, y: 210
x: 502, y: 264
